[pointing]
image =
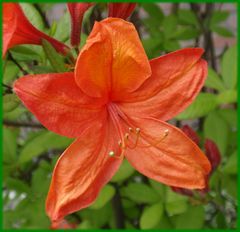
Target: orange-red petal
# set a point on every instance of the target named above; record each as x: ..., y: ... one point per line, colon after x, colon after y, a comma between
x: 113, y: 61
x: 176, y: 80
x: 58, y: 103
x: 82, y: 170
x: 164, y: 153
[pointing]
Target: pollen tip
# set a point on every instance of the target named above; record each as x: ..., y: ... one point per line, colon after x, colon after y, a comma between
x: 126, y: 136
x: 138, y: 130
x: 166, y: 132
x: 111, y: 153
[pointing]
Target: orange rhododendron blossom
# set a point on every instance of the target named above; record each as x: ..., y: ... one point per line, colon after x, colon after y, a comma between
x: 121, y: 10
x: 115, y: 105
x: 77, y: 11
x: 18, y: 30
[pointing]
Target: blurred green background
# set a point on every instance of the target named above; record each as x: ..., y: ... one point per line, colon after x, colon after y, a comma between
x: 130, y: 200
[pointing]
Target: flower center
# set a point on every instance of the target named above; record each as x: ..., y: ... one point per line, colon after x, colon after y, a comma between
x: 130, y: 139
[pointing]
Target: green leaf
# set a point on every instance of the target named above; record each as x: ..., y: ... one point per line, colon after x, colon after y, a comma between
x: 151, y: 216
x: 216, y: 128
x: 10, y: 102
x: 222, y: 31
x: 40, y: 182
x: 175, y: 203
x: 214, y: 81
x: 153, y: 27
x: 104, y: 197
x: 97, y: 217
x: 124, y: 172
x: 154, y: 11
x: 17, y: 185
x: 186, y: 33
x: 26, y: 53
x: 10, y: 145
x: 187, y: 17
x: 42, y: 143
x: 231, y: 166
x: 10, y: 72
x: 152, y: 46
x: 15, y: 114
x: 33, y: 15
x: 171, y: 45
x: 218, y: 17
x: 53, y: 56
x: 193, y: 218
x: 63, y: 28
x: 169, y: 26
x: 202, y: 105
x: 230, y: 116
x: 140, y: 193
x: 227, y: 97
x: 159, y: 188
x: 229, y: 67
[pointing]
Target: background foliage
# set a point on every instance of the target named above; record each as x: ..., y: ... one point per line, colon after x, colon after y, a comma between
x: 130, y: 200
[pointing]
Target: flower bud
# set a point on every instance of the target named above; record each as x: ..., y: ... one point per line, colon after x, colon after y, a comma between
x: 213, y: 153
x: 18, y: 30
x: 77, y: 11
x: 120, y: 10
x: 191, y: 134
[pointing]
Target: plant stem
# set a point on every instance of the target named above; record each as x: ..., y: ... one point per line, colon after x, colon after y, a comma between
x: 15, y: 62
x: 22, y: 124
x: 118, y: 210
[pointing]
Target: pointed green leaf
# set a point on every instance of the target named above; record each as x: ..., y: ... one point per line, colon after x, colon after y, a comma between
x: 151, y: 216
x: 104, y: 197
x: 54, y: 57
x: 201, y: 106
x: 216, y: 128
x: 42, y: 143
x: 229, y: 67
x: 214, y: 81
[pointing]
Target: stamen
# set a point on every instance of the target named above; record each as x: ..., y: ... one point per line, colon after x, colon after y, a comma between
x: 166, y: 132
x: 137, y: 139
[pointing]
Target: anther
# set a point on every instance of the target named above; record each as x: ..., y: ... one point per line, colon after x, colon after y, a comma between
x: 126, y: 136
x: 111, y: 153
x: 130, y: 129
x: 166, y: 132
x: 138, y: 130
x: 120, y: 143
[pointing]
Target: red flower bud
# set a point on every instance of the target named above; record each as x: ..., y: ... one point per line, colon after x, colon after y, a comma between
x: 182, y: 191
x: 120, y: 10
x: 191, y: 134
x: 77, y: 11
x: 18, y: 30
x: 212, y: 153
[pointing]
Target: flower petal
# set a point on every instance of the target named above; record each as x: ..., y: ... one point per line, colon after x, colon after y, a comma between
x: 176, y: 80
x: 82, y: 170
x: 164, y: 153
x: 113, y: 60
x: 58, y: 103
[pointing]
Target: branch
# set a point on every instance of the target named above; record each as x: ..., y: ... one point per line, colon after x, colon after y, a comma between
x: 22, y: 124
x: 15, y: 62
x: 118, y: 210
